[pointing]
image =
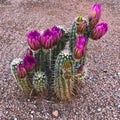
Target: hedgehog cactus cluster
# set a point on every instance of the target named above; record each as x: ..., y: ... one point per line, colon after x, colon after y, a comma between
x: 55, y: 58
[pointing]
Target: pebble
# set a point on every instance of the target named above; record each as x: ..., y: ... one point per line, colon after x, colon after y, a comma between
x: 31, y: 116
x: 119, y: 74
x: 32, y: 112
x: 55, y: 114
x: 99, y: 109
x: 15, y: 118
x: 119, y: 106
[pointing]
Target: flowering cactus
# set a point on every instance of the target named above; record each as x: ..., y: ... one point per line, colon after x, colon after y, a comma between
x: 56, y: 58
x: 20, y: 74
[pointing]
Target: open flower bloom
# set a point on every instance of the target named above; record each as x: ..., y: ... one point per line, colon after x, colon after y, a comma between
x: 57, y: 34
x: 95, y: 15
x: 33, y: 39
x: 78, y: 52
x: 99, y: 30
x: 81, y: 25
x: 47, y: 39
x: 29, y: 62
x: 21, y: 71
x: 29, y: 51
x: 81, y: 40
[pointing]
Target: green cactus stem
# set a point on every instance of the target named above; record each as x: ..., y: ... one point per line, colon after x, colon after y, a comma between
x: 24, y: 83
x: 72, y: 36
x: 64, y: 78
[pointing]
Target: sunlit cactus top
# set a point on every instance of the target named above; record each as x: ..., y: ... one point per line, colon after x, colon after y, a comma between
x: 95, y: 15
x: 33, y: 39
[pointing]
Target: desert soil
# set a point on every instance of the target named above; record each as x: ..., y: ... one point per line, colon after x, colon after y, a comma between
x: 99, y: 97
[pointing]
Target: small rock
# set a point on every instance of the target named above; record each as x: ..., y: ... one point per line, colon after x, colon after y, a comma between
x: 32, y: 112
x: 99, y: 109
x: 119, y: 106
x: 31, y: 116
x: 15, y: 118
x: 55, y: 114
x: 118, y: 73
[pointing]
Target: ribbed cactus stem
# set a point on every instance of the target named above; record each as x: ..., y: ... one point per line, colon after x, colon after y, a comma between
x: 72, y: 36
x: 64, y: 77
x: 24, y: 83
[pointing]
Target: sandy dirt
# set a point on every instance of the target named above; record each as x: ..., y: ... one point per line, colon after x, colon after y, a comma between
x: 99, y: 98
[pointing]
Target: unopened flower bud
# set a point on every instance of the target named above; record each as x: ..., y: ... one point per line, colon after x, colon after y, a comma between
x: 21, y: 71
x: 95, y: 15
x: 99, y: 30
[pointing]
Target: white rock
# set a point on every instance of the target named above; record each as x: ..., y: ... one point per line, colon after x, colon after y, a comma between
x: 15, y: 118
x: 55, y: 114
x: 99, y: 109
x: 119, y: 106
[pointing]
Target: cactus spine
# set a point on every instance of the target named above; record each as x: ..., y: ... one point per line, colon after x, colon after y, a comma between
x: 39, y: 82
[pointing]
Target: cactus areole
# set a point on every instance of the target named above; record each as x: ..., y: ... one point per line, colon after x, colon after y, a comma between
x: 55, y: 59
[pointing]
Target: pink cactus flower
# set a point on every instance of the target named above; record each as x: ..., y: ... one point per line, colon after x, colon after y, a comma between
x: 29, y: 62
x: 29, y: 51
x: 57, y: 34
x: 78, y: 52
x: 47, y: 39
x: 33, y: 39
x: 81, y: 40
x: 21, y: 71
x: 95, y: 15
x: 99, y: 30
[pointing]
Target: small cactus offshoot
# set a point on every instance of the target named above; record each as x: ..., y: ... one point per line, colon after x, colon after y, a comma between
x: 55, y: 58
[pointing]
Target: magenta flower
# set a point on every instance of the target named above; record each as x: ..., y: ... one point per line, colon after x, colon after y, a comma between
x: 33, y: 39
x: 29, y: 51
x: 99, y: 30
x: 78, y: 51
x: 95, y: 15
x: 57, y: 34
x: 21, y: 71
x: 81, y: 40
x: 47, y: 39
x: 29, y: 62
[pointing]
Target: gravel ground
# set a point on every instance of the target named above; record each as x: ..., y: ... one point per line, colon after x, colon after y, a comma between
x: 99, y: 98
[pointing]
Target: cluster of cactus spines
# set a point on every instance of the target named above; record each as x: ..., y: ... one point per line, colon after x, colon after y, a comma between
x: 64, y: 75
x: 40, y: 82
x: 56, y: 57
